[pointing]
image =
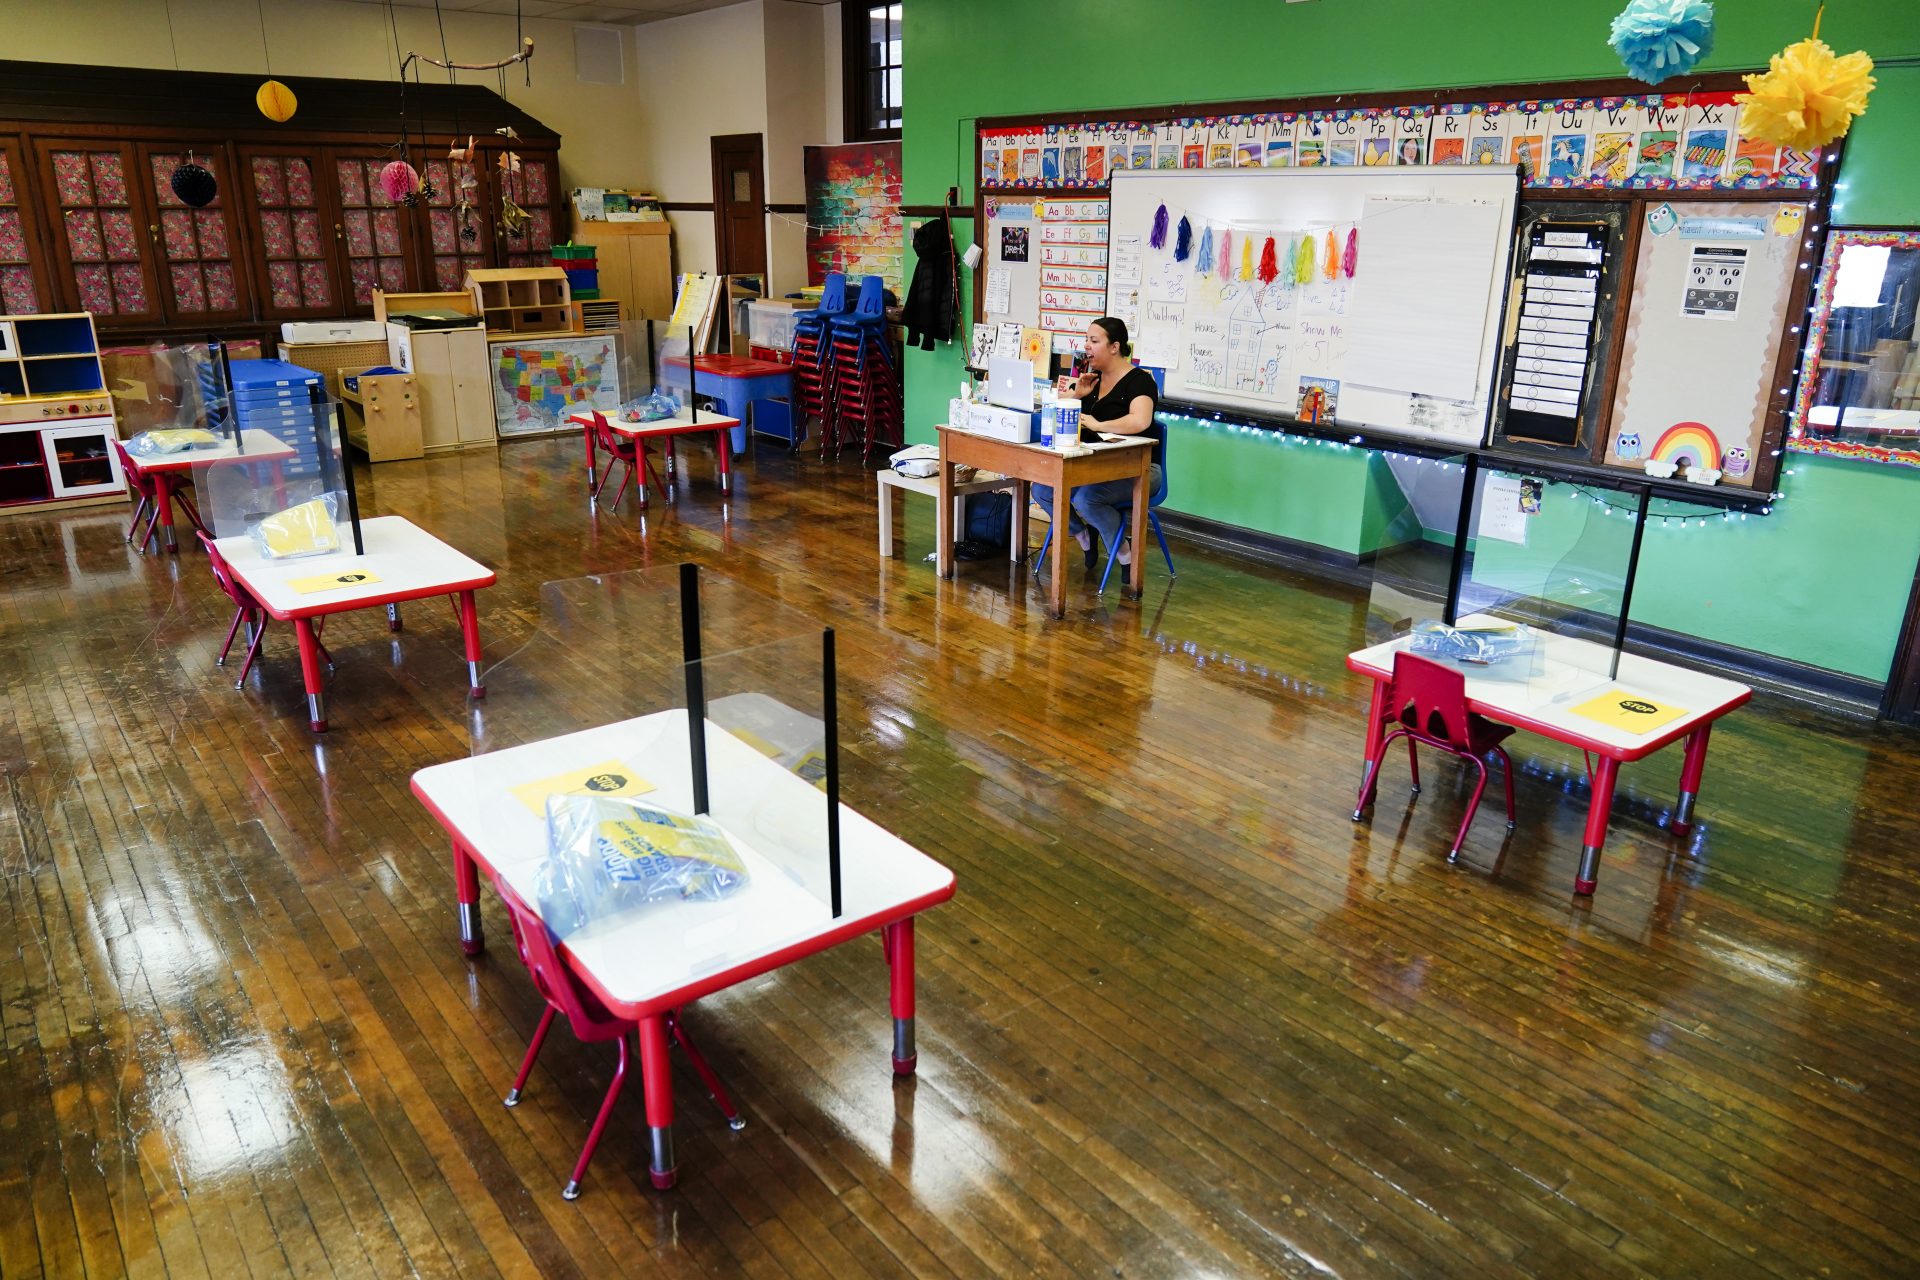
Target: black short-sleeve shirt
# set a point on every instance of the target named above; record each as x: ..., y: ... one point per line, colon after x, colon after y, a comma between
x: 1108, y: 405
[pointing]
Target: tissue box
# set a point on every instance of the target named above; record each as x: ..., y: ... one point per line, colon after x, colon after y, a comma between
x: 1020, y: 426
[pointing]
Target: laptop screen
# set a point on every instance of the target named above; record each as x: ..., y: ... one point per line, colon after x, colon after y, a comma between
x: 1010, y: 382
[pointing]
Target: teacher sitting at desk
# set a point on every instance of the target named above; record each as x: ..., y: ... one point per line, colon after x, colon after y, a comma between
x: 1117, y: 397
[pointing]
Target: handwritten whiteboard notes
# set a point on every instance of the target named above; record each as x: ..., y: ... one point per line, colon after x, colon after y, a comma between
x: 1417, y: 323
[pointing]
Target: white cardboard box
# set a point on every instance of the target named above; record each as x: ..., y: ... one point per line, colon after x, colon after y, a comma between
x: 1016, y: 425
x: 333, y: 331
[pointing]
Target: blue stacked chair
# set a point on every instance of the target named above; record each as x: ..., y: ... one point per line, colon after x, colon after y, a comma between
x: 813, y: 349
x: 865, y: 391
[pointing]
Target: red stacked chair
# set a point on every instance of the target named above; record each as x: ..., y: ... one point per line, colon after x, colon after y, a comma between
x: 865, y: 392
x: 813, y: 366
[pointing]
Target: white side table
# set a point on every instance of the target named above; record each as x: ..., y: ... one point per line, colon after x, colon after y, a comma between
x: 982, y: 482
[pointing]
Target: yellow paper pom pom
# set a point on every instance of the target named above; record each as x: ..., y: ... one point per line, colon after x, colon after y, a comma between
x: 1807, y: 97
x: 276, y: 101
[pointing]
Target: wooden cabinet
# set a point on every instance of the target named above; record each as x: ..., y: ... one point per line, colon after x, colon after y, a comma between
x: 636, y: 265
x: 103, y: 245
x: 383, y: 417
x: 450, y: 369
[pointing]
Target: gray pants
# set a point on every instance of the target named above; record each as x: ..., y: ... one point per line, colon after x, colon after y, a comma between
x: 1098, y: 505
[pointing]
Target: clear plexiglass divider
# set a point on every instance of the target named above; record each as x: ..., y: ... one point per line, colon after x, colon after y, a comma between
x: 280, y: 478
x: 655, y: 378
x: 654, y: 769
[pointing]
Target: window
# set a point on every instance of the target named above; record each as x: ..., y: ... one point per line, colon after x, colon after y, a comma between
x: 871, y: 68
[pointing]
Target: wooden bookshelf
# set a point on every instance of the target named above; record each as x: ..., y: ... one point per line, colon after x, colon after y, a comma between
x: 520, y: 302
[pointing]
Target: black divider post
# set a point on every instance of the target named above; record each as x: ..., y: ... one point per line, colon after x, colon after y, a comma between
x: 693, y: 380
x: 1626, y: 592
x: 1457, y: 570
x: 696, y: 681
x: 223, y: 379
x: 830, y: 715
x: 328, y: 410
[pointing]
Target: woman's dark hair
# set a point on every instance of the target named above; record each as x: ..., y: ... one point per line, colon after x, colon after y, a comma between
x: 1116, y: 331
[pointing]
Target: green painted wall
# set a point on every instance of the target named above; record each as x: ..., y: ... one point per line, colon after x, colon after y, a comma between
x: 1823, y: 580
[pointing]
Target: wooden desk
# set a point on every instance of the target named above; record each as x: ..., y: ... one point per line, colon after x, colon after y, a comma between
x: 645, y: 966
x: 1029, y: 464
x: 1572, y: 672
x: 168, y: 470
x: 410, y: 564
x: 680, y: 424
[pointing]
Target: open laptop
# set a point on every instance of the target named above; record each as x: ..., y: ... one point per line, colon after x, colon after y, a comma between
x: 1010, y: 383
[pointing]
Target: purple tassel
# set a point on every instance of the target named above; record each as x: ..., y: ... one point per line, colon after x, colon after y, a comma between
x: 1159, y: 237
x: 1203, y: 260
x: 1183, y: 240
x: 1352, y: 257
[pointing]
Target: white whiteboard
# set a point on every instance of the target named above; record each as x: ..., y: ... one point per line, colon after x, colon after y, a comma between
x: 1406, y: 344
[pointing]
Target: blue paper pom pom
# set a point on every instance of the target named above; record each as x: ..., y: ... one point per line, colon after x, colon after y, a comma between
x: 1662, y: 38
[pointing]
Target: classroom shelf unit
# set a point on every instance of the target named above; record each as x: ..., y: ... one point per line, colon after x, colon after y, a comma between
x: 56, y: 418
x: 519, y: 301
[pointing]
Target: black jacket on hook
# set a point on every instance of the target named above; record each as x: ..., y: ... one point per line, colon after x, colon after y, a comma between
x: 932, y: 306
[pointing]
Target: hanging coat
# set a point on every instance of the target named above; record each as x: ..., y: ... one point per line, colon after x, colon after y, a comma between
x: 932, y: 311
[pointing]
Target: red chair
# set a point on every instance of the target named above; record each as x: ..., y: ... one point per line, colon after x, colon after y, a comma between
x: 247, y: 610
x: 143, y: 486
x: 592, y: 1022
x: 1427, y: 702
x: 628, y: 449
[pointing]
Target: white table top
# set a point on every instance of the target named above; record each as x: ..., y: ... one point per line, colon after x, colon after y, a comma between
x: 261, y: 446
x: 672, y: 952
x: 409, y: 561
x: 679, y: 424
x: 1105, y: 443
x: 1573, y: 671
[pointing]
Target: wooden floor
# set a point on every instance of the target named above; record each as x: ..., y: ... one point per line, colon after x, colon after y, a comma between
x: 1182, y: 1018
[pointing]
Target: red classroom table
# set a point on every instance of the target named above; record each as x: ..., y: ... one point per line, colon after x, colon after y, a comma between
x: 169, y: 470
x: 407, y: 563
x: 1573, y: 671
x: 680, y: 424
x: 648, y: 965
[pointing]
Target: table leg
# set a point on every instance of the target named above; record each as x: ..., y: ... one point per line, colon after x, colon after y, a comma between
x: 725, y: 447
x: 470, y: 633
x: 886, y: 514
x: 1022, y: 500
x: 393, y: 617
x: 656, y: 1076
x: 592, y: 479
x: 1137, y: 571
x: 466, y: 889
x: 310, y: 663
x: 899, y: 949
x: 1599, y: 809
x: 163, y: 490
x: 1696, y: 764
x: 1376, y: 730
x: 943, y: 513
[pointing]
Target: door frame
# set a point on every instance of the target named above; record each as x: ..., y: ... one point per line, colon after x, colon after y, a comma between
x: 723, y: 257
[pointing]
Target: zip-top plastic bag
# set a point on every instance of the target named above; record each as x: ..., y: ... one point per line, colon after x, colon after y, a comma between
x: 610, y: 855
x: 306, y: 529
x: 650, y: 408
x: 164, y: 440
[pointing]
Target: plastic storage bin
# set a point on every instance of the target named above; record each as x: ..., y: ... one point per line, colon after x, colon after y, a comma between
x: 770, y: 324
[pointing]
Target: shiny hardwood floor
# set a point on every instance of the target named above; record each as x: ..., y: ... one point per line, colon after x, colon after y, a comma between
x: 1182, y: 1019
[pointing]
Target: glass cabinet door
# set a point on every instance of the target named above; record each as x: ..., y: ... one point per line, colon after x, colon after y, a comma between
x: 198, y: 276
x: 23, y: 290
x: 459, y: 227
x: 374, y: 233
x: 291, y: 233
x: 105, y: 240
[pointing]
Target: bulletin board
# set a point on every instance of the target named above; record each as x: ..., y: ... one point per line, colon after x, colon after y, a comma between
x: 1702, y: 369
x: 1009, y: 280
x: 1367, y: 297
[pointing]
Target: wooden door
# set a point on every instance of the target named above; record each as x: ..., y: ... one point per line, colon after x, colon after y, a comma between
x: 289, y: 218
x: 105, y: 238
x: 23, y: 279
x: 739, y: 204
x: 199, y: 270
x: 373, y: 235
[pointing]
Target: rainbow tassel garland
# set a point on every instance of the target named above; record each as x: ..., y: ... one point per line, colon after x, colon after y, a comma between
x: 1158, y: 239
x: 1332, y: 266
x: 1225, y: 270
x: 1246, y: 257
x: 1269, y: 267
x: 1183, y: 241
x: 1203, y: 260
x: 1303, y: 261
x: 1352, y: 258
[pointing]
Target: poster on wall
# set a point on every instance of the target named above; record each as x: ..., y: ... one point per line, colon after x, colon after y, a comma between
x: 853, y: 212
x: 537, y: 384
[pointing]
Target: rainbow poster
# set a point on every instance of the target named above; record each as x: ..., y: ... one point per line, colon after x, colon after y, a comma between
x: 1690, y: 442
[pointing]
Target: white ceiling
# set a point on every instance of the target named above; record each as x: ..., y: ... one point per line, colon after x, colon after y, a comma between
x: 576, y: 11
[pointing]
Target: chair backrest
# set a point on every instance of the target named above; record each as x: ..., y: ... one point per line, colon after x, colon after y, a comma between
x: 1430, y: 699
x: 833, y: 295
x: 223, y: 574
x: 552, y: 978
x: 612, y: 441
x: 137, y: 481
x: 873, y: 298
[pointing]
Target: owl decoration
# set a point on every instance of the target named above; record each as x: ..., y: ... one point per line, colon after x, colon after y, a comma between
x: 1626, y: 446
x: 1736, y: 463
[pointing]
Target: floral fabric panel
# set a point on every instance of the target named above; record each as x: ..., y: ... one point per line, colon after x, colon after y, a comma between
x: 95, y: 289
x: 223, y: 293
x: 71, y: 179
x: 300, y: 183
x: 17, y: 294
x: 439, y: 224
x: 365, y: 277
x: 269, y: 181
x: 83, y: 236
x: 130, y: 287
x: 306, y: 234
x: 13, y: 237
x: 352, y: 176
x: 314, y: 285
x: 212, y: 225
x: 447, y: 274
x: 109, y: 178
x: 276, y: 233
x: 176, y: 232
x: 189, y: 290
x: 283, y: 283
x: 6, y: 181
x: 386, y: 231
x: 359, y: 228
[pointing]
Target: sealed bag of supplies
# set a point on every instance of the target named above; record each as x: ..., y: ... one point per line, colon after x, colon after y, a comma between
x: 307, y: 529
x: 611, y: 855
x: 165, y: 440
